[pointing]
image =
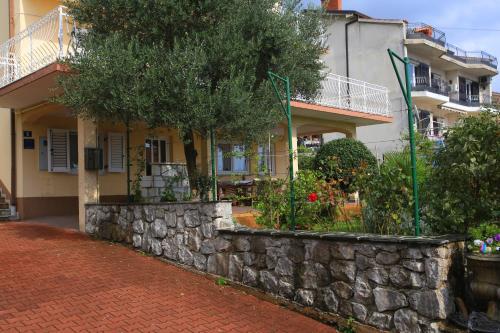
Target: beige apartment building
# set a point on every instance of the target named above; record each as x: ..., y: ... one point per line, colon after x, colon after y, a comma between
x: 46, y: 151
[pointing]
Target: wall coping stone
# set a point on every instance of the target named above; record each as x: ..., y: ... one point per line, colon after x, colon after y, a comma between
x: 349, y: 237
x: 108, y: 204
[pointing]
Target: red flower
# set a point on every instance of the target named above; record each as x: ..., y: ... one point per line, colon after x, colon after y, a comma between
x: 312, y: 197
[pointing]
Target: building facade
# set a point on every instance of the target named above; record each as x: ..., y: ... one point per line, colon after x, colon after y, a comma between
x: 447, y: 82
x: 47, y: 150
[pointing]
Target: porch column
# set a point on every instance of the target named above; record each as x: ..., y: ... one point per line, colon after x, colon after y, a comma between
x: 294, y: 147
x: 87, y: 180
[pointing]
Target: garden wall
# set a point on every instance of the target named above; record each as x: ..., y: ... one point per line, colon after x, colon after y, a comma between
x: 392, y: 283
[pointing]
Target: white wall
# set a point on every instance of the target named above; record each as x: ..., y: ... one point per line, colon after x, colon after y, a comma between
x: 369, y: 61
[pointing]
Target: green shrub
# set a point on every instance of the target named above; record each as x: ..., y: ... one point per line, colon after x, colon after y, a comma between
x: 465, y: 180
x: 306, y: 158
x: 342, y: 160
x: 387, y: 196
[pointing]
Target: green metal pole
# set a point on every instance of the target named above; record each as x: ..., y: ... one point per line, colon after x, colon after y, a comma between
x: 291, y: 153
x: 413, y: 153
x: 129, y: 197
x: 406, y: 90
x: 212, y: 157
x: 287, y: 110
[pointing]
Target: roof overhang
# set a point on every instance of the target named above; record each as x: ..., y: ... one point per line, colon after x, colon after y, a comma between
x: 336, y: 114
x: 33, y: 89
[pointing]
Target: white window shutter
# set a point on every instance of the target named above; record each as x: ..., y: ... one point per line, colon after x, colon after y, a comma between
x: 58, y: 150
x: 116, y: 153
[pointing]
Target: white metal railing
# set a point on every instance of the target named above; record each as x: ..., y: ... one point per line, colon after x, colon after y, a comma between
x: 356, y: 95
x: 40, y: 44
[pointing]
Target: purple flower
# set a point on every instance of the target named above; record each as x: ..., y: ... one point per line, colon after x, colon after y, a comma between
x: 489, y: 240
x: 497, y: 237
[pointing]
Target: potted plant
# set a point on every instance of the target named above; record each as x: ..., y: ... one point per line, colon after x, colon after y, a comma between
x: 483, y: 262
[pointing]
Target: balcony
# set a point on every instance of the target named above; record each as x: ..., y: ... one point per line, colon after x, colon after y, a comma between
x: 425, y: 31
x: 436, y: 86
x: 28, y: 61
x: 478, y: 57
x: 427, y: 41
x: 349, y: 94
x: 470, y: 101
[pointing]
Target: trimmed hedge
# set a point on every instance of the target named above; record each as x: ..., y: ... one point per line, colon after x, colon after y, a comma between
x: 342, y: 159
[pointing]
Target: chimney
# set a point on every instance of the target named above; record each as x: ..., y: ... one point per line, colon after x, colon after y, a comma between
x: 332, y: 5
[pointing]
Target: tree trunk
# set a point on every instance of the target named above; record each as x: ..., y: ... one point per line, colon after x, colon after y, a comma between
x: 190, y: 153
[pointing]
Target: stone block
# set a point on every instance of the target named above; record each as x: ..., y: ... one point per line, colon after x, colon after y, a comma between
x: 362, y: 291
x: 194, y: 239
x: 221, y: 244
x: 387, y: 299
x: 342, y: 289
x: 137, y: 240
x: 241, y: 244
x: 412, y: 253
x: 343, y: 251
x: 329, y: 300
x: 269, y: 281
x: 171, y: 219
x: 138, y: 226
x: 363, y: 262
x: 286, y: 289
x: 192, y: 218
x: 343, y: 270
x: 378, y: 275
x: 368, y: 250
x: 400, y: 276
x: 359, y: 311
x: 285, y: 267
x: 250, y: 276
x: 156, y: 248
x: 304, y: 297
x: 406, y: 321
x: 170, y: 248
x: 413, y: 265
x: 159, y: 228
x: 317, y: 251
x: 436, y: 271
x: 218, y: 264
x: 235, y: 270
x: 313, y: 276
x: 207, y: 246
x: 185, y: 256
x: 387, y: 258
x: 433, y: 304
x: 380, y: 320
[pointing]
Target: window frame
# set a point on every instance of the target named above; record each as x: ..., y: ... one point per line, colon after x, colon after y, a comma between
x: 232, y: 171
x: 167, y: 153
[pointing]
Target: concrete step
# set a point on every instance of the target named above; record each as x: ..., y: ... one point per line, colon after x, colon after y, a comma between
x: 2, y: 199
x: 4, y: 205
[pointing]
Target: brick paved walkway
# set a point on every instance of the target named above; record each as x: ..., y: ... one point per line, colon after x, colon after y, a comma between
x: 54, y: 280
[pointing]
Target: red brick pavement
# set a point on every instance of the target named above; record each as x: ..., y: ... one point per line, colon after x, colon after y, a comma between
x: 55, y: 280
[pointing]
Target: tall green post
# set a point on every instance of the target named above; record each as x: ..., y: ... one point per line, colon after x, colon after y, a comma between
x: 212, y: 157
x: 406, y: 89
x: 287, y: 110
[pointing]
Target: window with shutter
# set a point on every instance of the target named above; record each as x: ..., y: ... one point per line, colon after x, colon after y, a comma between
x: 116, y: 152
x: 58, y: 150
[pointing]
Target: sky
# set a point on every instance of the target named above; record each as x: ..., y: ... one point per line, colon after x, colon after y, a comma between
x: 472, y: 25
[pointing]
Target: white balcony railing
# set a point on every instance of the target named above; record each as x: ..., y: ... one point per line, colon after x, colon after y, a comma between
x: 346, y: 93
x: 39, y: 45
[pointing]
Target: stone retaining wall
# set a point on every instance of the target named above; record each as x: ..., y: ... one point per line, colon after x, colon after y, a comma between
x: 403, y: 284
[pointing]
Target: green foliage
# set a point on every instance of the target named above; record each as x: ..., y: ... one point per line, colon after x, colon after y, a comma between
x: 139, y: 173
x: 306, y: 158
x: 464, y: 186
x: 273, y: 201
x: 191, y: 65
x: 349, y: 328
x: 354, y: 225
x: 343, y: 160
x: 221, y: 281
x: 387, y: 196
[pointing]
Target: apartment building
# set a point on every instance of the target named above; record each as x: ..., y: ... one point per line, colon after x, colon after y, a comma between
x: 447, y: 82
x: 46, y: 166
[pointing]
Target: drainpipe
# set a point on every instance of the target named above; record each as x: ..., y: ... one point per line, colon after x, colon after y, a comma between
x: 356, y: 19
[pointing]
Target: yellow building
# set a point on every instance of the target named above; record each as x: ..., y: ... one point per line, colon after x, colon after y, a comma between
x: 43, y: 145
